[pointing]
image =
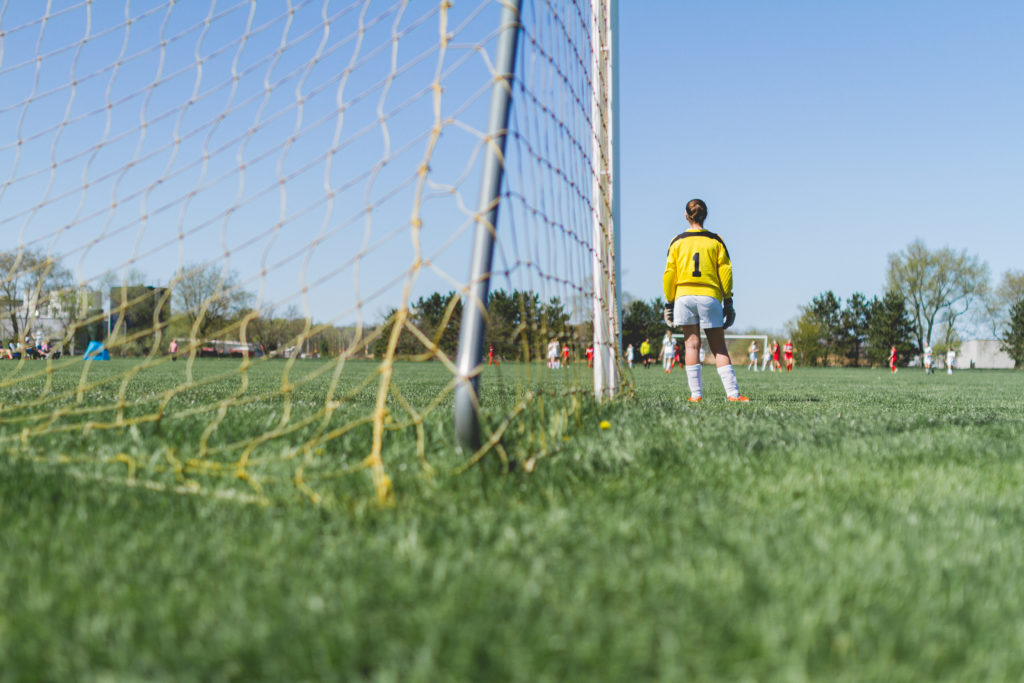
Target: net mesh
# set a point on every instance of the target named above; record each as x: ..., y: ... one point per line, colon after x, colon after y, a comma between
x: 244, y: 204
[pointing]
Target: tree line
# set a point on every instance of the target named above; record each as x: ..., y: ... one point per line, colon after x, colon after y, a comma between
x: 930, y: 295
x: 519, y: 326
x: 860, y: 333
x: 202, y: 303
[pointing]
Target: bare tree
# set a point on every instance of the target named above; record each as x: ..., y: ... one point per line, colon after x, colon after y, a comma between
x: 27, y: 279
x: 939, y: 286
x: 1002, y: 299
x: 275, y: 332
x: 208, y: 297
x: 1011, y: 288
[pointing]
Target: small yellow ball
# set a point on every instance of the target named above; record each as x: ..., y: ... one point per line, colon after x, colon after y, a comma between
x: 605, y: 424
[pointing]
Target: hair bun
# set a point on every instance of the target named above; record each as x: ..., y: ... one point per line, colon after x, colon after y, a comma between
x: 696, y: 211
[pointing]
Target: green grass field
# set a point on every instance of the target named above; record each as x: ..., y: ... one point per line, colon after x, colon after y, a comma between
x: 845, y: 525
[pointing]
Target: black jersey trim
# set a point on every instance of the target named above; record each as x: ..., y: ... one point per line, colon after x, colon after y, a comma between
x: 700, y: 233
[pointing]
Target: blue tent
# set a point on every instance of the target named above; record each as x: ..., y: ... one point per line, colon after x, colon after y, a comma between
x: 96, y: 351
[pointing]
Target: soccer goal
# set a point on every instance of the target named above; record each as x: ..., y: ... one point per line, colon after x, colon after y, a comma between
x: 739, y: 346
x: 281, y: 220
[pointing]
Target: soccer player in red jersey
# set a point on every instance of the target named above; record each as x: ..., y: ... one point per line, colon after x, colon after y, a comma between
x: 776, y: 364
x: 787, y: 351
x: 893, y: 357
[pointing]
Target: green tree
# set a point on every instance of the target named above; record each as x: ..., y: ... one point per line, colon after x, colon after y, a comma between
x: 514, y: 325
x: 827, y: 311
x: 854, y: 327
x: 889, y: 325
x: 519, y: 325
x: 806, y: 332
x: 1013, y: 334
x: 504, y: 324
x: 939, y: 286
x: 643, y: 320
x: 818, y: 330
x: 407, y: 345
x: 535, y: 332
x: 439, y: 316
x: 555, y: 318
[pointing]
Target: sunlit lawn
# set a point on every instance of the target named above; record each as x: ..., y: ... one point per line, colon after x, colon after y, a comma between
x: 846, y: 524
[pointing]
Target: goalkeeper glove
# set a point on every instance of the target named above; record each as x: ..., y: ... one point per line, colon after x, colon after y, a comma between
x: 729, y: 313
x: 668, y: 313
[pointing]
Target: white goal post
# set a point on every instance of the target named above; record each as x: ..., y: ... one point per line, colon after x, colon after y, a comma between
x: 600, y: 97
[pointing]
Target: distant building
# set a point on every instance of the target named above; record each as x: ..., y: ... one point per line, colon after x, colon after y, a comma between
x: 54, y: 315
x: 983, y: 354
x: 139, y: 308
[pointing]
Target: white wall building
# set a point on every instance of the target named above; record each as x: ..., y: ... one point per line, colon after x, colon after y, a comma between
x: 983, y: 354
x: 50, y: 318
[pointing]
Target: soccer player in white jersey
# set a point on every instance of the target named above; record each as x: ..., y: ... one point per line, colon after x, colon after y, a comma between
x: 950, y: 360
x: 668, y: 352
x: 698, y: 286
x: 928, y: 359
x: 752, y: 355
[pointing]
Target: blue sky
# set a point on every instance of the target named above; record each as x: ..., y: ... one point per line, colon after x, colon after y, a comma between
x: 823, y: 136
x: 153, y: 135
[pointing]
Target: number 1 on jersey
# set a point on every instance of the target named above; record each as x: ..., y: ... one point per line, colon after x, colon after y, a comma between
x: 696, y: 265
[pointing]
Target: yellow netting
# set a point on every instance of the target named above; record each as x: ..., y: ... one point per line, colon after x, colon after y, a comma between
x: 263, y: 213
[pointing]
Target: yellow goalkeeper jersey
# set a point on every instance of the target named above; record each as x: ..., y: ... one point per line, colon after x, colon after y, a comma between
x: 698, y: 263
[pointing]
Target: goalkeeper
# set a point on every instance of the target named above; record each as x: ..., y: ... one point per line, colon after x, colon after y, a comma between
x: 698, y: 289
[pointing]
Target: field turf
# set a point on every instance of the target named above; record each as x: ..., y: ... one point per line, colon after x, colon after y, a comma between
x: 844, y: 525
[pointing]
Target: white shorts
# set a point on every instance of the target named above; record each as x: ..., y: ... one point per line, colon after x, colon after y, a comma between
x: 691, y: 309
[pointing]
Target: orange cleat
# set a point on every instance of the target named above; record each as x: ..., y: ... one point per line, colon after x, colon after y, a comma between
x: 738, y: 399
x: 695, y: 399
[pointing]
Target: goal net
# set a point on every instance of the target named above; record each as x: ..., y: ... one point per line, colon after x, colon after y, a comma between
x: 262, y: 214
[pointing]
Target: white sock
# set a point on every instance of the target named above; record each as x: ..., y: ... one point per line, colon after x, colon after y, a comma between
x: 694, y: 379
x: 732, y: 388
